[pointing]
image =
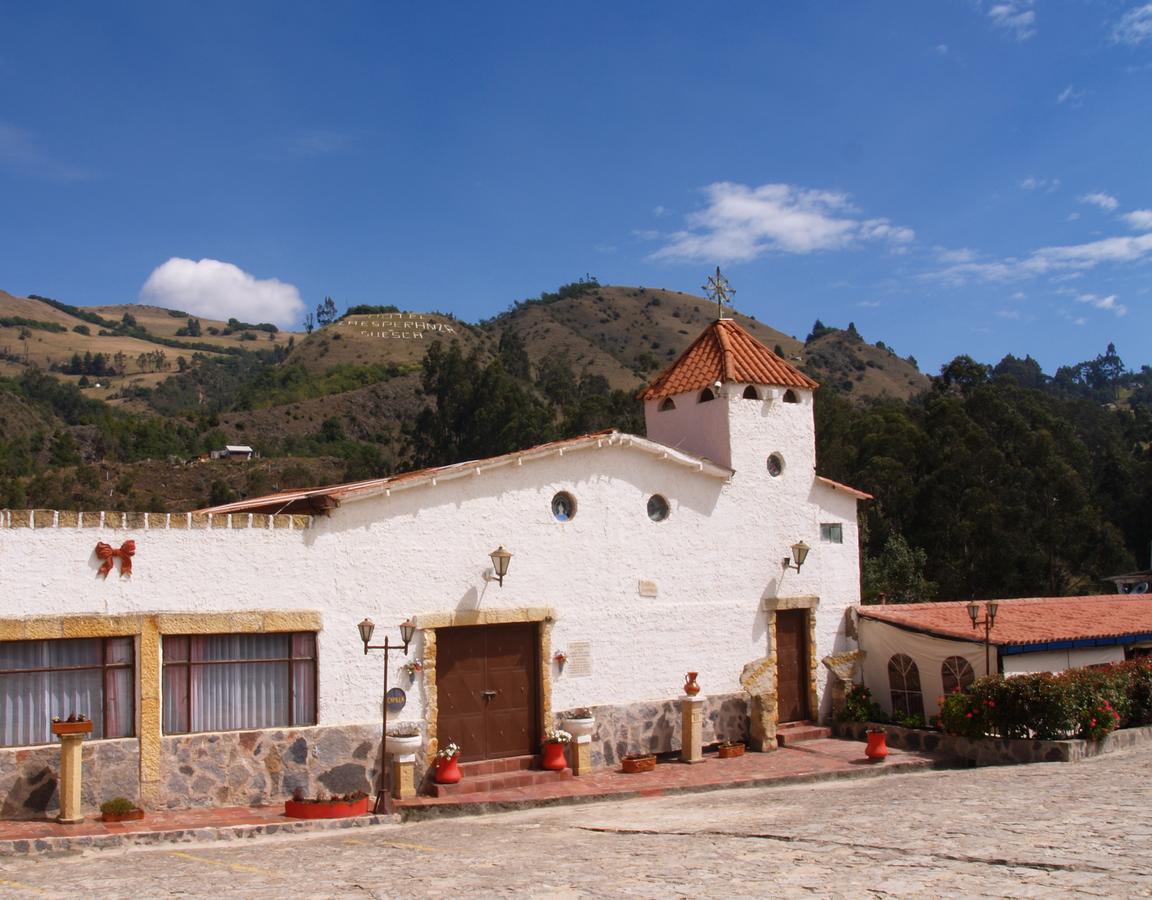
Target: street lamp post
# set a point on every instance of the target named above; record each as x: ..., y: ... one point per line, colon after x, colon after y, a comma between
x: 407, y: 630
x: 989, y: 620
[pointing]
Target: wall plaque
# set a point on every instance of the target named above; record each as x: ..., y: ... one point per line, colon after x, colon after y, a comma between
x: 395, y: 698
x: 579, y: 659
x: 647, y: 588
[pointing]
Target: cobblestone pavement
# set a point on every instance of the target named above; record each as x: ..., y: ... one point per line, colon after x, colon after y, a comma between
x: 1025, y: 831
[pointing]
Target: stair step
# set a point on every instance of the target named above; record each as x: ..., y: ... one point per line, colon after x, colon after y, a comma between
x: 798, y: 732
x: 500, y: 766
x: 501, y: 781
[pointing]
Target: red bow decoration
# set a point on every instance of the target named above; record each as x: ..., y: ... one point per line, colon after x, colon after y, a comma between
x: 108, y: 553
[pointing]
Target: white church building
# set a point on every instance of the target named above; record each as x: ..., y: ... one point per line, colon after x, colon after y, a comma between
x: 221, y: 664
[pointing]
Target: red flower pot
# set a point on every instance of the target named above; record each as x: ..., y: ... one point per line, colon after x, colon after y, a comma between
x: 447, y: 770
x: 329, y: 809
x: 877, y: 747
x: 554, y: 757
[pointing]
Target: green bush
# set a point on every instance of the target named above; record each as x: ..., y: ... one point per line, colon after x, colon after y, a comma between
x: 117, y: 806
x: 1087, y: 703
x: 860, y: 707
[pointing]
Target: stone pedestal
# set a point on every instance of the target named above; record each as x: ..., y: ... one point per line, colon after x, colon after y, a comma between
x: 692, y: 730
x: 581, y: 760
x: 404, y: 776
x: 71, y: 756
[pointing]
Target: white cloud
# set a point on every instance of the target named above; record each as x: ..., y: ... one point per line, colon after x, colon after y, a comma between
x: 942, y: 49
x: 1061, y: 263
x: 1099, y: 198
x: 659, y: 211
x: 220, y: 290
x: 1009, y: 314
x: 869, y: 304
x: 317, y: 143
x: 1108, y: 303
x: 1135, y: 26
x: 1019, y: 295
x: 1047, y: 185
x: 960, y: 255
x: 1017, y: 18
x: 1072, y: 217
x: 741, y: 223
x: 20, y: 153
x: 1070, y: 94
x: 1139, y: 219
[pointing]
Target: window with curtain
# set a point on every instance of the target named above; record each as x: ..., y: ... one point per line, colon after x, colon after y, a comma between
x: 43, y: 679
x: 904, y: 681
x: 228, y: 682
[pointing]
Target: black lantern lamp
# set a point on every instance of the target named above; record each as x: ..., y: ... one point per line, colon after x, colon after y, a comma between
x: 989, y: 620
x: 407, y: 631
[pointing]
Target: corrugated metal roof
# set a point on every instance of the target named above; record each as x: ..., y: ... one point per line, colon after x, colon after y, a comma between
x: 725, y: 352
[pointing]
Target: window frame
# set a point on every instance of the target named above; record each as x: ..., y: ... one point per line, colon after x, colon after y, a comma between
x: 104, y: 667
x: 832, y: 532
x: 291, y: 660
x: 958, y: 670
x: 903, y: 668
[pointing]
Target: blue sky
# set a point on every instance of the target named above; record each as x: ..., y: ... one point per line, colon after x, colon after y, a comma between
x: 952, y: 176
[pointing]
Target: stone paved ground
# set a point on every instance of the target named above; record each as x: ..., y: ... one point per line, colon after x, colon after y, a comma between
x: 1027, y: 831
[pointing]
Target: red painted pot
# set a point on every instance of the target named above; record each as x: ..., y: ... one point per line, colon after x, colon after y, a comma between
x: 554, y: 757
x: 877, y: 747
x: 447, y: 770
x: 331, y: 809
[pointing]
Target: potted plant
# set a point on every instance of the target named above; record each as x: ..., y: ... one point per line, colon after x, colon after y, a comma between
x: 448, y: 764
x: 578, y: 722
x: 74, y: 724
x: 634, y: 763
x: 555, y: 740
x: 877, y: 748
x: 403, y: 739
x: 730, y: 749
x: 322, y: 806
x: 120, y: 809
x: 413, y: 668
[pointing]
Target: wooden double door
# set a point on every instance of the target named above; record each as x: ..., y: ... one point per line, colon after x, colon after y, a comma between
x: 488, y: 690
x: 792, y: 665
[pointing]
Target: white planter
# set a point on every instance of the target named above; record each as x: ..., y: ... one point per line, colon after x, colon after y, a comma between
x: 579, y: 727
x: 403, y: 746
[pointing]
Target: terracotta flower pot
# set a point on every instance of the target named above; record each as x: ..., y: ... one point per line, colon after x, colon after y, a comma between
x: 133, y: 815
x: 329, y: 809
x: 730, y: 750
x: 447, y: 770
x: 554, y: 757
x: 633, y: 765
x: 877, y: 748
x: 691, y: 688
x: 84, y: 727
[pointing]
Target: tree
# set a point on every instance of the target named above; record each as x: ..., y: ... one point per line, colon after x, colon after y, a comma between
x: 326, y: 312
x: 897, y: 574
x: 309, y: 323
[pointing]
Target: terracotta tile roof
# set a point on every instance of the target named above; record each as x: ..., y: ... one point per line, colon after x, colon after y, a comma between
x: 725, y: 352
x: 321, y: 499
x: 1033, y: 620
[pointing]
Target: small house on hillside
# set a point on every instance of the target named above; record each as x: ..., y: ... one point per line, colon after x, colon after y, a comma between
x: 234, y: 451
x: 915, y: 653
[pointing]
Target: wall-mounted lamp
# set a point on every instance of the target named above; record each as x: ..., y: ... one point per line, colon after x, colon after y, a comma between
x: 988, y: 622
x: 799, y: 553
x: 500, y: 560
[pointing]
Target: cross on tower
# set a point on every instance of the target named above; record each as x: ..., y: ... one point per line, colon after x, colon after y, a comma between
x: 720, y: 290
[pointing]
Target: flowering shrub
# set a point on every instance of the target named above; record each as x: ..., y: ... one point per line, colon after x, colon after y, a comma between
x: 1079, y: 702
x: 557, y: 736
x: 860, y: 707
x: 448, y: 750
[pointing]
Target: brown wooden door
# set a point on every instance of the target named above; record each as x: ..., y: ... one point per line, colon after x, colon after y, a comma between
x: 792, y: 665
x: 486, y: 687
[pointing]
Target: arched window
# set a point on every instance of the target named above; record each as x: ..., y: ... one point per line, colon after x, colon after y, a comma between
x: 790, y: 396
x: 957, y: 674
x: 904, y: 681
x: 667, y: 404
x: 750, y: 393
x: 706, y: 395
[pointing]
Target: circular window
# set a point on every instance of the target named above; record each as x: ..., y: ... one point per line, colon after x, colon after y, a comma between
x: 658, y: 508
x: 563, y: 506
x: 775, y: 464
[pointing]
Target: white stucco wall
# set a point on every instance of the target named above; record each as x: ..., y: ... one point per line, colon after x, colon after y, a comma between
x: 425, y: 550
x: 1059, y: 660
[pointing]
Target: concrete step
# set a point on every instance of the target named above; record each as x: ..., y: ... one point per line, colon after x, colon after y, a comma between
x: 797, y: 732
x: 499, y: 781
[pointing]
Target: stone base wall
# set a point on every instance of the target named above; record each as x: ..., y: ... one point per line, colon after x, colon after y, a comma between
x: 30, y: 777
x: 997, y: 751
x: 252, y: 768
x: 656, y: 727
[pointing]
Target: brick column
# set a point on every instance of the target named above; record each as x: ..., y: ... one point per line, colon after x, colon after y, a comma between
x: 692, y: 729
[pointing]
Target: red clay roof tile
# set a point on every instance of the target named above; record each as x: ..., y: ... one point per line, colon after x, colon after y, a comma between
x: 725, y: 352
x: 1032, y: 620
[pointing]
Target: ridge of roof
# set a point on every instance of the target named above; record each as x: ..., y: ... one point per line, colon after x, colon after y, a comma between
x: 320, y: 499
x: 724, y: 352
